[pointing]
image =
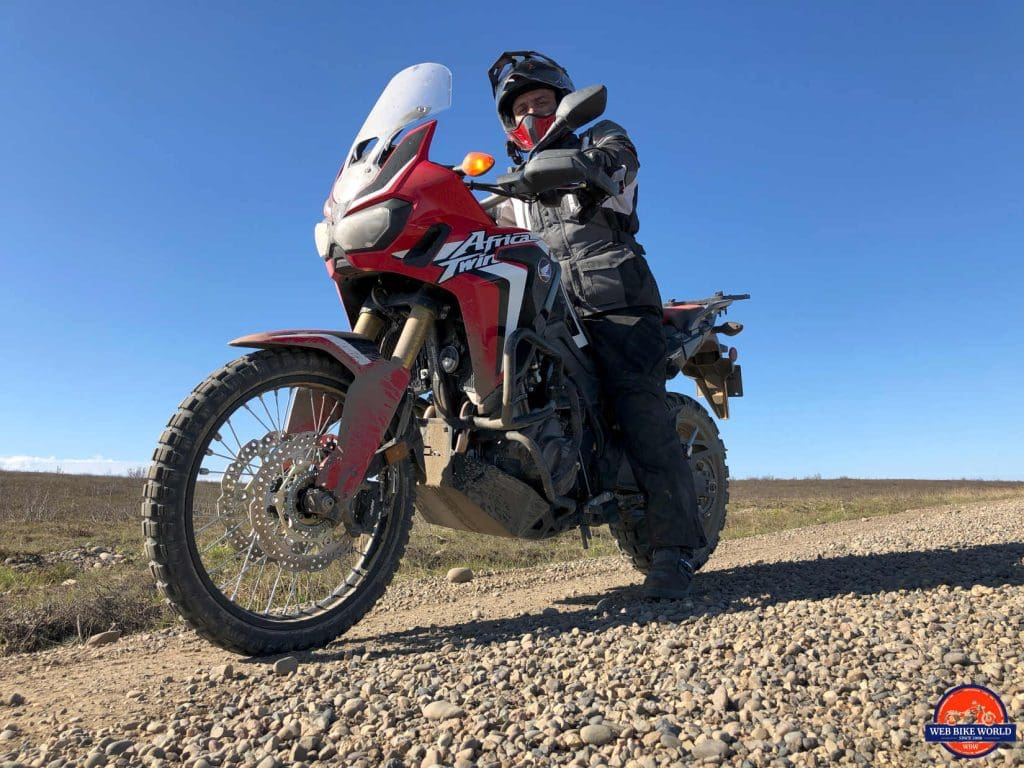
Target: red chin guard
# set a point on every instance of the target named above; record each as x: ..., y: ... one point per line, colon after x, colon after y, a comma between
x: 530, y: 130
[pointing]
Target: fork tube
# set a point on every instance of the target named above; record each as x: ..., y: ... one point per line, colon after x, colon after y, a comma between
x: 369, y: 324
x: 414, y: 334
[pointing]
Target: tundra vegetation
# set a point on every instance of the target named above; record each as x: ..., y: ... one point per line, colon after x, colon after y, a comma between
x: 71, y: 561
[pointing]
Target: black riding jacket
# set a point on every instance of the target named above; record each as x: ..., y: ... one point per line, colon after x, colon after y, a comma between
x: 594, y: 237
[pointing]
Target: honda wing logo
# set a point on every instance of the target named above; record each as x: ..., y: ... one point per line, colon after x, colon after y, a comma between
x: 477, y: 252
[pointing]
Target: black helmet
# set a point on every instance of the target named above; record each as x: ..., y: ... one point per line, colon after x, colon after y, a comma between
x: 516, y: 72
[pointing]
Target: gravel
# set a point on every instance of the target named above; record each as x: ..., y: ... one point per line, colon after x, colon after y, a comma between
x: 825, y: 646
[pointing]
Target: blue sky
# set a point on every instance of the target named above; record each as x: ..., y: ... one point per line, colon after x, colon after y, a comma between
x: 854, y: 166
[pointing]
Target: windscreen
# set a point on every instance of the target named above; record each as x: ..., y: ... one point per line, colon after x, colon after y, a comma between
x: 413, y: 95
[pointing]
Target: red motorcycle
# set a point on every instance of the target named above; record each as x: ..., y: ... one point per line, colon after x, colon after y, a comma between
x: 281, y: 493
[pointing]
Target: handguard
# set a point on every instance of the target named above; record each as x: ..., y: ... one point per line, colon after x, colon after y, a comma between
x: 555, y: 169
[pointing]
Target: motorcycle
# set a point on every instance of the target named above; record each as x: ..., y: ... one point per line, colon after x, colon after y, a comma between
x: 281, y: 493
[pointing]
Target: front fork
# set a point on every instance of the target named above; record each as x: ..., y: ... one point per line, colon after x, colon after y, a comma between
x: 370, y: 404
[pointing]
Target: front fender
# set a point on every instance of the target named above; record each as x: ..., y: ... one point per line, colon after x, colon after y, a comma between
x: 373, y: 398
x: 353, y: 350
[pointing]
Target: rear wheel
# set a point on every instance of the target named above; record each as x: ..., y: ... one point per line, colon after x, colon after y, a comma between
x: 242, y: 542
x: 699, y: 434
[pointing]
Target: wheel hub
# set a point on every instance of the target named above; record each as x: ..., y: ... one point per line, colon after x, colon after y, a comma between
x: 706, y: 486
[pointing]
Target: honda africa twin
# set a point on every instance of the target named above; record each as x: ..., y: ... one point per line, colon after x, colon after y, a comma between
x: 281, y: 493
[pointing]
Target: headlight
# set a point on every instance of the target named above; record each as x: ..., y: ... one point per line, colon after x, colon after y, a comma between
x: 373, y: 228
x: 322, y: 236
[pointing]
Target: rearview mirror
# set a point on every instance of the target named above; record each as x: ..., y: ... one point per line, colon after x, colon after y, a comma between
x: 580, y: 107
x: 574, y: 111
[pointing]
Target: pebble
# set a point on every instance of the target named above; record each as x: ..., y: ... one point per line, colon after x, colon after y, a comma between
x: 720, y: 699
x: 596, y: 734
x: 460, y: 575
x: 353, y: 706
x: 712, y: 748
x: 286, y: 666
x: 118, y: 747
x: 442, y: 710
x: 104, y: 638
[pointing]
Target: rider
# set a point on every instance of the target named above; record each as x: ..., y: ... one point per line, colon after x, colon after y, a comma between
x: 593, y: 237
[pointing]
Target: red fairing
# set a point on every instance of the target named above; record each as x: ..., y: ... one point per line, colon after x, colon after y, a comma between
x: 489, y: 291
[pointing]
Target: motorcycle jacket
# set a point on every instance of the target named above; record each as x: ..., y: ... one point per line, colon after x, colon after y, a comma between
x: 593, y: 237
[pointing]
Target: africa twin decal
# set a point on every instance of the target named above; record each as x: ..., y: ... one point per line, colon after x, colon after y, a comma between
x: 476, y: 252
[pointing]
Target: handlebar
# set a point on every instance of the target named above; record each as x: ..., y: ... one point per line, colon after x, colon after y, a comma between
x: 492, y: 201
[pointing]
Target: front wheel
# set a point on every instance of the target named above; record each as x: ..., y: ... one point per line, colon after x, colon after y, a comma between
x: 699, y: 434
x: 242, y: 542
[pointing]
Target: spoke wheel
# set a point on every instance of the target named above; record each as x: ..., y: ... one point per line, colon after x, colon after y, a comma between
x: 243, y: 543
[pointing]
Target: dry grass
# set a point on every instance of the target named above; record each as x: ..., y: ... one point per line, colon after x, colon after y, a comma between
x: 41, y: 513
x: 765, y: 505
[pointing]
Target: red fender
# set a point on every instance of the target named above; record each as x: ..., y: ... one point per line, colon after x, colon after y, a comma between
x: 353, y: 350
x: 373, y: 398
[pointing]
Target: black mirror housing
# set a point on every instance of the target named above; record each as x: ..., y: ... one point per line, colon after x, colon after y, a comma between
x: 580, y: 107
x: 574, y: 111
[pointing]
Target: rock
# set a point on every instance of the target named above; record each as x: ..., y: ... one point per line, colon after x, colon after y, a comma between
x: 794, y: 741
x: 720, y: 699
x: 15, y: 700
x: 596, y: 735
x: 299, y: 753
x: 118, y: 747
x: 712, y: 748
x: 95, y: 759
x: 268, y: 762
x: 285, y: 666
x: 442, y: 710
x: 104, y: 638
x: 460, y: 575
x: 353, y: 707
x: 69, y: 582
x: 222, y: 672
x: 786, y: 726
x: 955, y: 658
x: 669, y: 740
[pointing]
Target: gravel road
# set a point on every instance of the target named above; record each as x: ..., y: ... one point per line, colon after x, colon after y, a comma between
x: 823, y: 646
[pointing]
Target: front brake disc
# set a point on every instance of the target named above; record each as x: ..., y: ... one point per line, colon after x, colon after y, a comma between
x: 274, y: 509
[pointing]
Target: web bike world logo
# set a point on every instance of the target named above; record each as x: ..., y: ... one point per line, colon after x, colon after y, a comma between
x: 970, y: 721
x: 476, y: 252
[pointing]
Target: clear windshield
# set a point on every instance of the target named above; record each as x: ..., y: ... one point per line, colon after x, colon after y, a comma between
x: 414, y: 94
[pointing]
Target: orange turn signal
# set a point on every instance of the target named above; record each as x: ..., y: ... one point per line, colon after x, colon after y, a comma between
x: 477, y: 164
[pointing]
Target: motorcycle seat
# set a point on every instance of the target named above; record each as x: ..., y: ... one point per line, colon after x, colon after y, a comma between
x: 681, y: 316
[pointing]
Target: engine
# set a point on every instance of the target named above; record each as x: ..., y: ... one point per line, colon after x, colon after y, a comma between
x: 555, y: 446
